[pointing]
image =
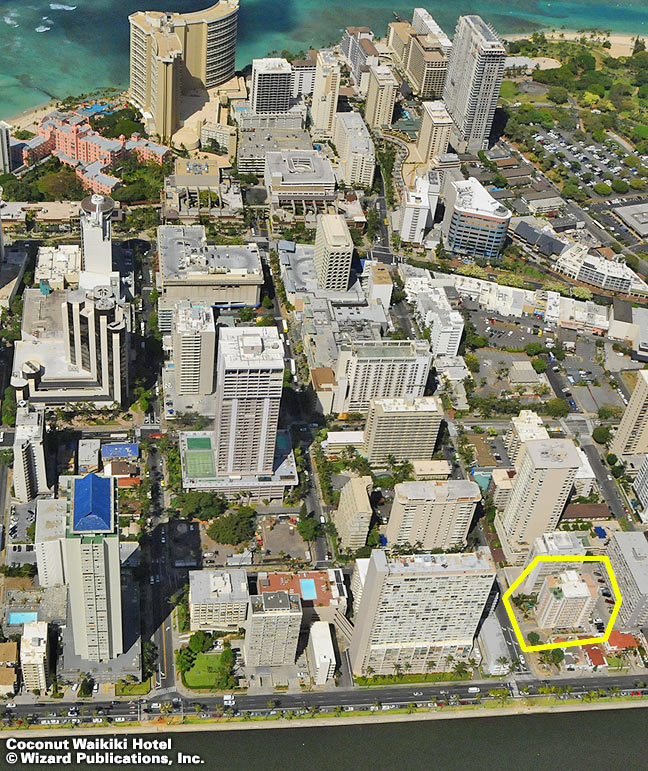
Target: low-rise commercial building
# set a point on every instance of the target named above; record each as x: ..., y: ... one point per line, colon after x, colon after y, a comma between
x: 192, y: 269
x: 298, y: 175
x: 614, y: 275
x: 322, y: 592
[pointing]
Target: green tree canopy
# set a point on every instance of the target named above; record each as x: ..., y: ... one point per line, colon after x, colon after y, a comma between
x: 233, y: 528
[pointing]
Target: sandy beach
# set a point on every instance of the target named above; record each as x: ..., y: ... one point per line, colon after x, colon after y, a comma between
x: 621, y: 44
x: 29, y: 119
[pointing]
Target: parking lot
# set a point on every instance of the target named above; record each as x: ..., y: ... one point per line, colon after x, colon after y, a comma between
x: 282, y: 538
x: 591, y: 163
x: 21, y: 520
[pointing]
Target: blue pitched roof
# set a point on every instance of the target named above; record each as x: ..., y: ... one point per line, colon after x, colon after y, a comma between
x: 120, y: 450
x: 92, y: 506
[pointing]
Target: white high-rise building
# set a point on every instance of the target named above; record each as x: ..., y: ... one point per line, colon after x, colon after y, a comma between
x: 5, y: 148
x: 381, y: 96
x: 1, y: 236
x: 272, y: 629
x: 640, y: 484
x: 371, y: 370
x: 419, y: 207
x: 95, y: 335
x: 249, y: 382
x: 542, y: 486
x: 406, y: 429
x: 92, y: 567
x: 96, y: 234
x: 436, y: 515
x: 559, y: 544
x: 420, y: 609
x: 272, y: 85
x: 473, y: 81
x: 424, y: 24
x: 30, y: 472
x: 631, y: 436
x: 525, y: 427
x: 303, y: 77
x: 474, y: 223
x: 355, y: 149
x: 333, y: 252
x: 194, y: 345
x: 434, y: 134
x: 34, y: 658
x: 628, y: 553
x: 325, y: 94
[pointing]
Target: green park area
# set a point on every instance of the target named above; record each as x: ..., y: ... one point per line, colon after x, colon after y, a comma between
x: 209, y: 671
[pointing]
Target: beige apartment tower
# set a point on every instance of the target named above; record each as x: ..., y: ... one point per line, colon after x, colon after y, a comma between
x: 34, y: 656
x: 353, y: 515
x: 432, y: 515
x: 543, y: 483
x: 434, y: 134
x: 194, y: 345
x: 566, y: 601
x: 406, y: 429
x: 249, y: 382
x: 218, y: 599
x: 631, y: 437
x: 174, y: 54
x: 381, y: 96
x: 325, y: 94
x: 420, y: 610
x: 426, y: 66
x: 333, y: 252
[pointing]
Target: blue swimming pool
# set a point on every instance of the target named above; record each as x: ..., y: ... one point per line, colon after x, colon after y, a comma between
x: 482, y: 478
x: 22, y: 618
x: 308, y: 590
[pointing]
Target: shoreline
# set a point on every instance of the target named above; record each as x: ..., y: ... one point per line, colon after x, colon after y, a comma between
x: 622, y: 43
x: 374, y: 718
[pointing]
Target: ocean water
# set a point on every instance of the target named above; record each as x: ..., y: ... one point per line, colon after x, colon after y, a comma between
x: 55, y: 49
x: 586, y: 741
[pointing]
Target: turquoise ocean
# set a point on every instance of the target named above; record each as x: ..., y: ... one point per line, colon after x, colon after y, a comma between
x: 52, y: 49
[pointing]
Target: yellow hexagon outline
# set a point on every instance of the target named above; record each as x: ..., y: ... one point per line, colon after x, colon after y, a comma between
x: 569, y: 643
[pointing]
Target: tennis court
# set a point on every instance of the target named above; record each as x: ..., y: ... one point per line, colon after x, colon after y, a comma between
x: 199, y: 443
x: 200, y: 463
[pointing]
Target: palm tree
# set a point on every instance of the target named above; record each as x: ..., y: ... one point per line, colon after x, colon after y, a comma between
x: 429, y: 665
x: 449, y: 659
x: 338, y: 710
x: 166, y: 707
x: 410, y: 708
x: 398, y: 669
x: 460, y: 669
x: 370, y: 670
x: 504, y: 663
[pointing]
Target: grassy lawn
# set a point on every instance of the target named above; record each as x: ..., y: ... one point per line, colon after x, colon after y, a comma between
x: 509, y: 90
x: 133, y: 689
x: 201, y: 675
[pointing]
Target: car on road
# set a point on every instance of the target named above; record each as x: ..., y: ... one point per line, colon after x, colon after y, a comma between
x: 417, y: 693
x: 11, y: 705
